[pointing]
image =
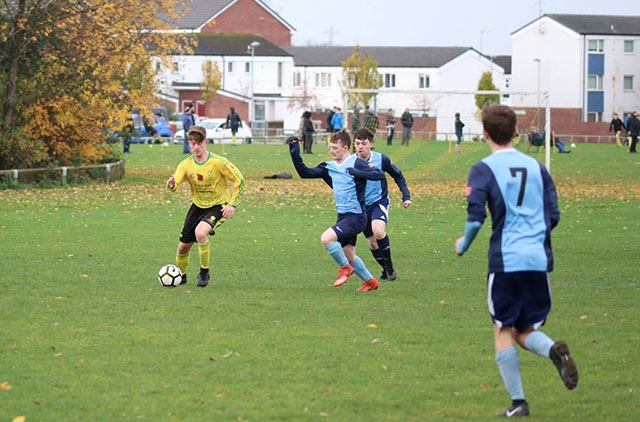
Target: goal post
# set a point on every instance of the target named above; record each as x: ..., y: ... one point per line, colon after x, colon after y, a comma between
x: 439, y: 107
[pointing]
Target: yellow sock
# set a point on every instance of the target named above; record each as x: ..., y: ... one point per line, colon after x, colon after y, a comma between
x: 182, y: 261
x: 203, y: 250
x: 233, y: 139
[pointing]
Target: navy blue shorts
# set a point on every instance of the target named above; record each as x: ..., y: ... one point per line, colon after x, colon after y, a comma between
x: 379, y: 210
x: 519, y: 299
x: 213, y: 216
x: 348, y: 227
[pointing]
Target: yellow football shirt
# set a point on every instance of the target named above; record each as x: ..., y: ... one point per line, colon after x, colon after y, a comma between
x: 211, y: 181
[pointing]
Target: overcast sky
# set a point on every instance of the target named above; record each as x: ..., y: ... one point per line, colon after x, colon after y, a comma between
x: 463, y: 23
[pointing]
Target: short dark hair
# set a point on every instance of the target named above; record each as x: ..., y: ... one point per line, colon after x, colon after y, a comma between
x: 500, y: 123
x: 363, y: 133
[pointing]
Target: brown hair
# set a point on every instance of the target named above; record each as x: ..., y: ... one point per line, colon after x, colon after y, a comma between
x: 342, y: 137
x: 500, y: 123
x: 198, y: 133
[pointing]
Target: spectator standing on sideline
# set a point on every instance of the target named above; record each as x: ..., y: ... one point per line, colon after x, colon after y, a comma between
x: 616, y: 127
x: 347, y: 175
x: 127, y: 134
x: 377, y: 202
x: 329, y: 125
x: 213, y: 201
x: 337, y: 121
x: 188, y: 120
x: 633, y: 129
x: 407, y: 122
x: 391, y: 122
x: 458, y: 126
x: 522, y: 200
x: 355, y: 120
x: 233, y: 122
x: 307, y: 131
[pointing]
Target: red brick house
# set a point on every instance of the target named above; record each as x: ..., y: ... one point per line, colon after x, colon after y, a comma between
x: 235, y: 17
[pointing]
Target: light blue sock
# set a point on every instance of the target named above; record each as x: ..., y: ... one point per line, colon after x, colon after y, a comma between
x: 360, y: 269
x: 538, y: 343
x: 336, y: 252
x: 509, y: 366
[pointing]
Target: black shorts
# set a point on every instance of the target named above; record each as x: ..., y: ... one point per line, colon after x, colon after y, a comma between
x: 348, y: 227
x: 519, y: 299
x: 212, y: 216
x: 379, y: 210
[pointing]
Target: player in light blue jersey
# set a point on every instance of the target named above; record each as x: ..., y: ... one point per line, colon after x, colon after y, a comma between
x: 348, y: 176
x: 522, y: 200
x: 377, y: 202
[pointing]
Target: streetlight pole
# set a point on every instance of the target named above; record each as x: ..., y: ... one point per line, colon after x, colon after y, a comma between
x: 251, y: 48
x: 538, y: 110
x: 482, y: 32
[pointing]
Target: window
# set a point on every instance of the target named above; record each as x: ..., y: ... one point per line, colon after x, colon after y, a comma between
x: 389, y: 80
x: 596, y: 45
x: 297, y: 79
x: 423, y: 81
x: 595, y: 82
x: 279, y: 75
x: 176, y: 66
x: 627, y: 83
x: 323, y: 79
x: 230, y: 67
x: 247, y: 67
x: 594, y: 117
x: 628, y: 46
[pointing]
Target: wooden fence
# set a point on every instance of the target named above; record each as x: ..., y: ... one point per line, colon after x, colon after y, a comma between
x: 105, y: 172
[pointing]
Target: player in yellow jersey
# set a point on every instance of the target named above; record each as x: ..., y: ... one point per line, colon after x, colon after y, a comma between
x: 214, y: 202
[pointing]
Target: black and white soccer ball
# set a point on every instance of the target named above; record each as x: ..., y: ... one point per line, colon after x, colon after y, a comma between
x: 170, y: 276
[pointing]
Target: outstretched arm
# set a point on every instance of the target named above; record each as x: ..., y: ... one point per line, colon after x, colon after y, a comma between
x: 319, y: 172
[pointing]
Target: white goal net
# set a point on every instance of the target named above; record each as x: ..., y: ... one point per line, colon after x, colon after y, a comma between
x: 434, y: 112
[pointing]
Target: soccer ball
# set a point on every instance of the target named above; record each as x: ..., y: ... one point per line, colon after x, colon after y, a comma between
x: 170, y: 276
x: 573, y: 145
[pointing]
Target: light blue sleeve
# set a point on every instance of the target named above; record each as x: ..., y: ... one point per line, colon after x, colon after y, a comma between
x: 471, y: 229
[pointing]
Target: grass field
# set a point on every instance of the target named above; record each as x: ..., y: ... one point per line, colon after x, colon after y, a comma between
x: 88, y: 334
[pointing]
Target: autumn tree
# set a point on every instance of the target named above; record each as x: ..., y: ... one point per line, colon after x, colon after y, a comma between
x: 211, y: 79
x: 70, y: 71
x: 303, y: 98
x: 360, y: 71
x: 486, y: 84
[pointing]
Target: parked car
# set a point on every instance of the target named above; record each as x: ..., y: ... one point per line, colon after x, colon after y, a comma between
x: 143, y: 133
x: 217, y: 133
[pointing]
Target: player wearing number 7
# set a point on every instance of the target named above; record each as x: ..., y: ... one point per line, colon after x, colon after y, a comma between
x: 522, y: 200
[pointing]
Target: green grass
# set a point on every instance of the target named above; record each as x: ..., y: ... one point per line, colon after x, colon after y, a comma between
x: 88, y: 333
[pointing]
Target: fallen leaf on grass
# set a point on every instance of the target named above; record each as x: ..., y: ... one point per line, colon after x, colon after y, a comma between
x: 372, y: 326
x: 4, y: 386
x: 19, y: 419
x: 584, y: 317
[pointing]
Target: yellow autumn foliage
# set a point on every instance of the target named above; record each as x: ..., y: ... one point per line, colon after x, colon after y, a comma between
x: 89, y: 66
